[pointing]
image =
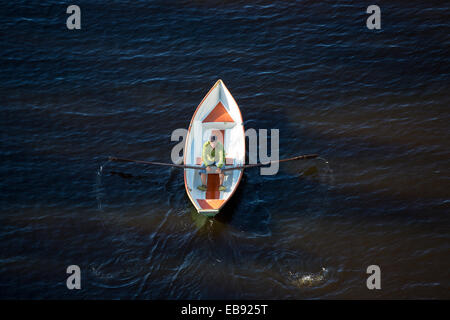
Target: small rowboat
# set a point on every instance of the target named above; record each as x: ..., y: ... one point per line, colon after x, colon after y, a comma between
x: 218, y: 114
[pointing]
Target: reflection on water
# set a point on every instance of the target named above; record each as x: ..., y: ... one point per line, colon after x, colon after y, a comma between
x: 199, y: 219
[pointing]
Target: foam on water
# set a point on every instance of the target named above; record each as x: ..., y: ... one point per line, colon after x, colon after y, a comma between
x: 300, y: 280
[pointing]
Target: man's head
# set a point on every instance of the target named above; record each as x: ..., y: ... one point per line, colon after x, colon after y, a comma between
x: 213, y: 141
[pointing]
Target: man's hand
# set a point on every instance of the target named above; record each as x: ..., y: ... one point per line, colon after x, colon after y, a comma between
x: 208, y: 169
x: 218, y: 170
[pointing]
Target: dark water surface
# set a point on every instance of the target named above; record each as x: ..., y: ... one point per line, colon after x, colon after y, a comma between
x: 374, y: 104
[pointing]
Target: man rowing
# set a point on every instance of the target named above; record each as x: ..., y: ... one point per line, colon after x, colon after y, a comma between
x: 212, y: 154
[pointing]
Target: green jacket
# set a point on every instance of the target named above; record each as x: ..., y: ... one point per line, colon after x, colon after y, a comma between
x: 210, y: 155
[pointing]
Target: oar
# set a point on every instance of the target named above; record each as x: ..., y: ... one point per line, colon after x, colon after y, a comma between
x: 155, y: 163
x: 303, y: 157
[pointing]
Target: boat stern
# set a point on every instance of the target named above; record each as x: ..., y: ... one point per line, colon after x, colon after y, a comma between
x: 208, y: 212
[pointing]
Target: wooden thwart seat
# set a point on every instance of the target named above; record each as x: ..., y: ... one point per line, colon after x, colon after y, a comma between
x: 228, y: 161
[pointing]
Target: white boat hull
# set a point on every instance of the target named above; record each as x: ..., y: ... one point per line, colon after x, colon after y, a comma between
x: 218, y: 113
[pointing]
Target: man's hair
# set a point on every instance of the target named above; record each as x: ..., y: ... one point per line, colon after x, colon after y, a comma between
x: 213, y: 138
